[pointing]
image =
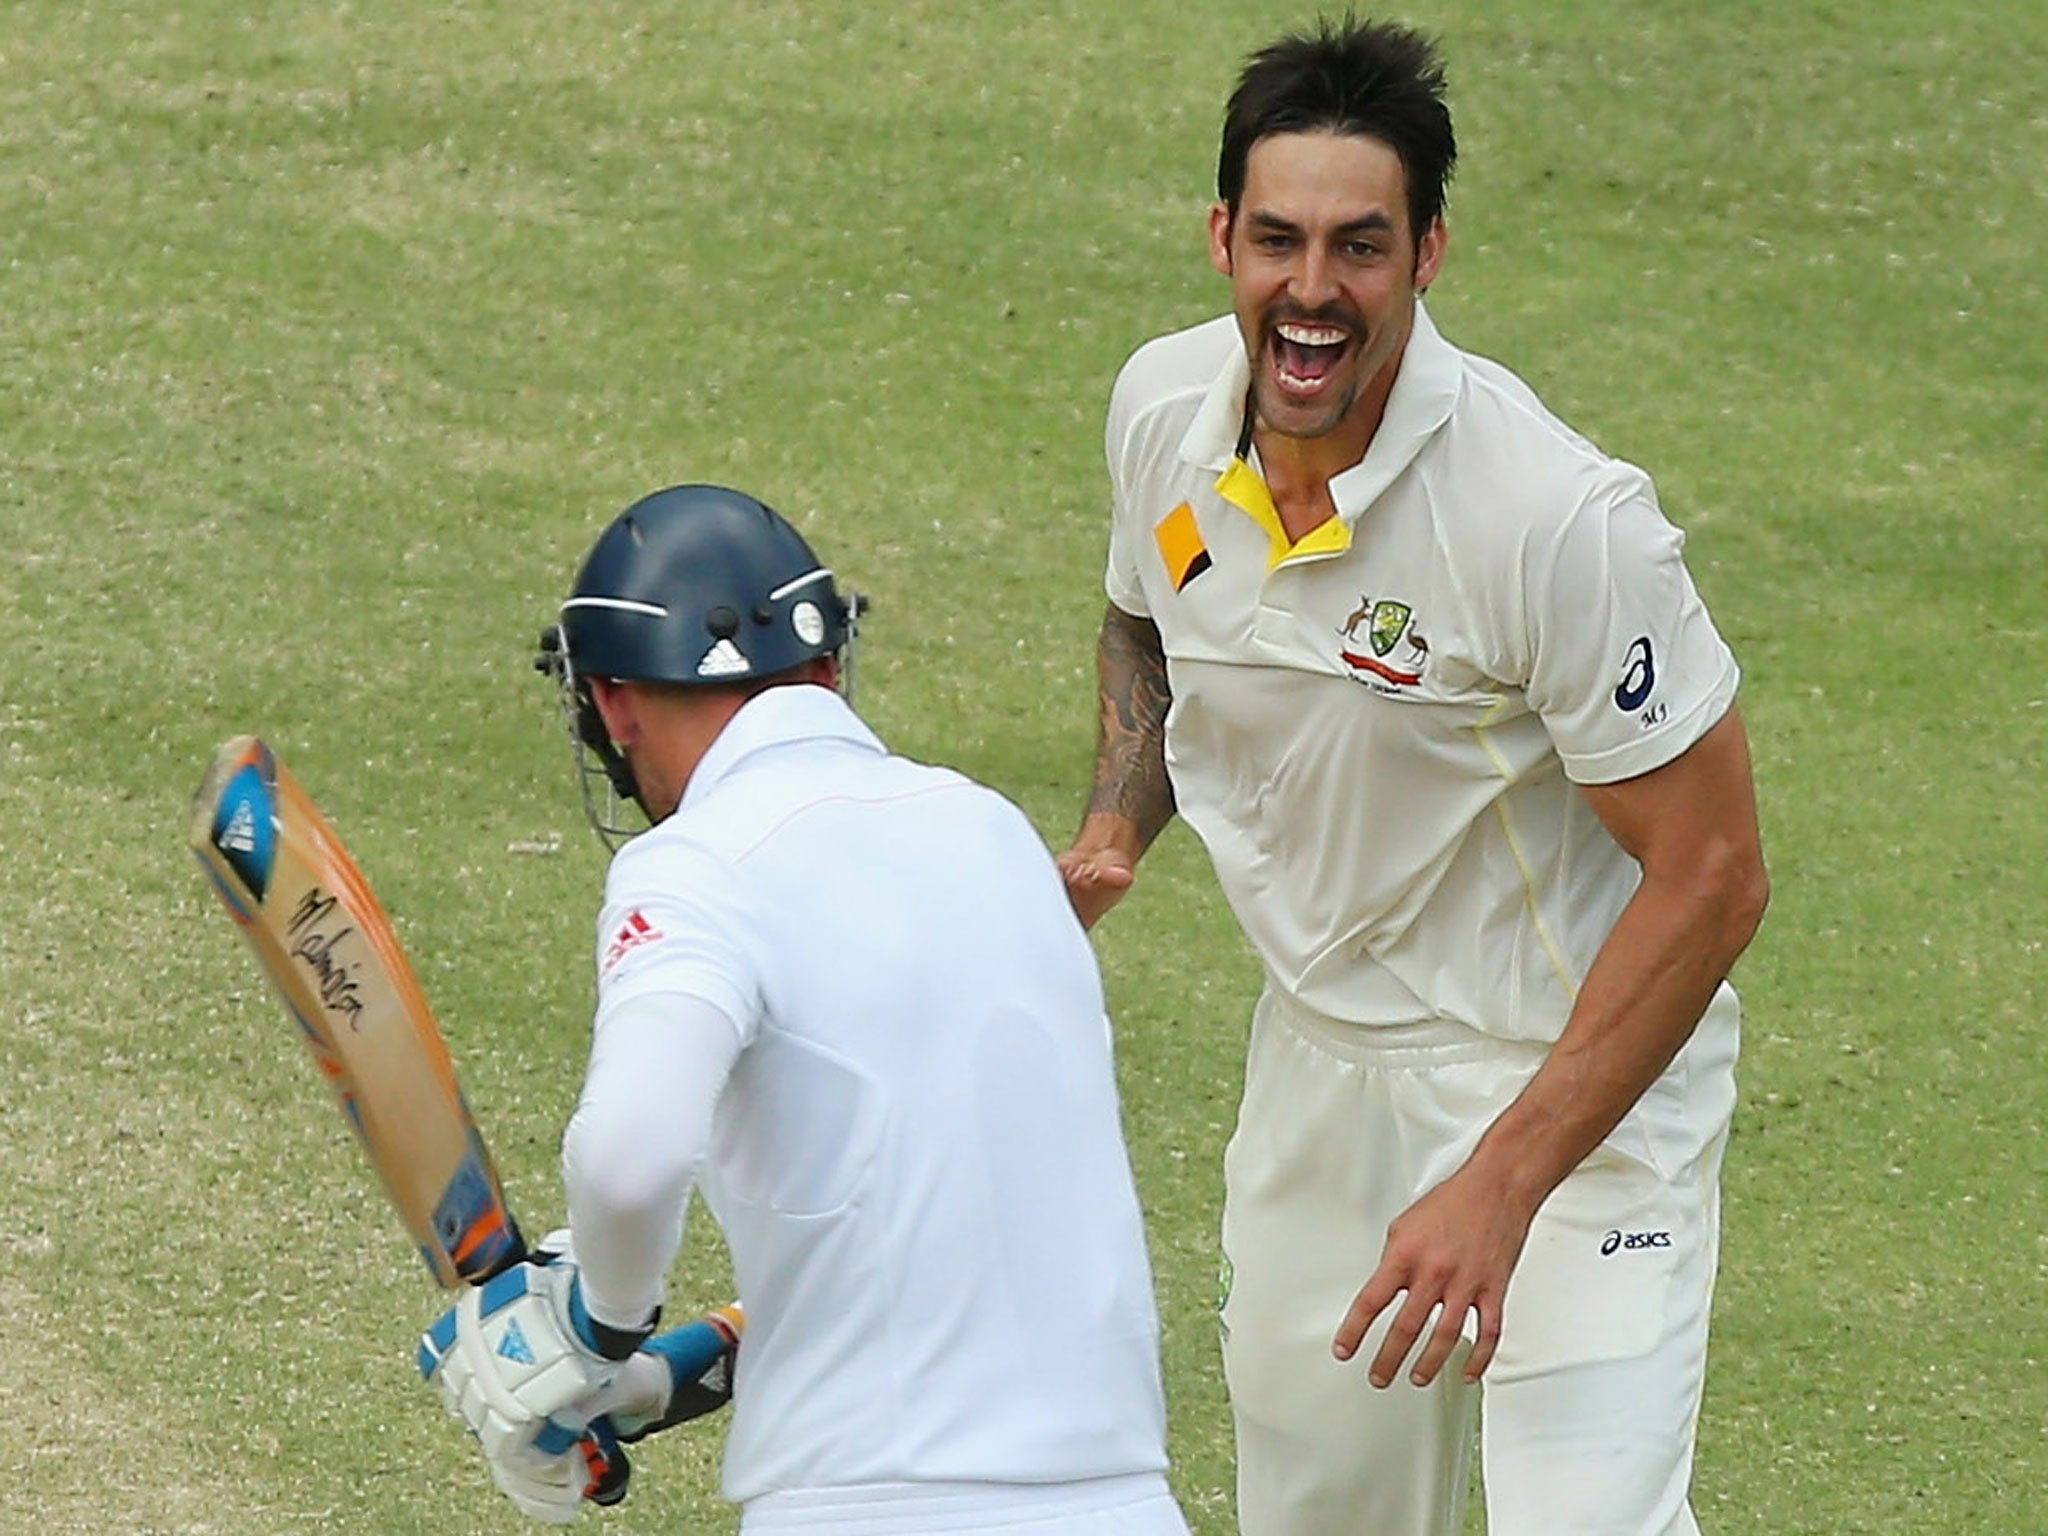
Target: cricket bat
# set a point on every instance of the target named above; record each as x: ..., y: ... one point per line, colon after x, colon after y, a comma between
x: 334, y: 959
x: 331, y: 953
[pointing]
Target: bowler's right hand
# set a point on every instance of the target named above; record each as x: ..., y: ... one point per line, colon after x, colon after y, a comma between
x: 1096, y: 880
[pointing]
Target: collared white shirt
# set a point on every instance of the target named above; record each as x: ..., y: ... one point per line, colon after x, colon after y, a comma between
x: 917, y: 1160
x: 1377, y: 731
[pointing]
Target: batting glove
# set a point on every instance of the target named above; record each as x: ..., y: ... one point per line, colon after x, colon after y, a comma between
x: 519, y: 1351
x: 551, y: 1487
x: 550, y: 1491
x: 696, y: 1377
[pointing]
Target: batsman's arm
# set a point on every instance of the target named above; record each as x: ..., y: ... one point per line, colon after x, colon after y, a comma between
x: 639, y: 1136
x: 1132, y: 800
x: 581, y: 1305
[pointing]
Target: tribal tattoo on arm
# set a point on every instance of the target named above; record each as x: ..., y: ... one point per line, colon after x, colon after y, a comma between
x: 1130, y: 743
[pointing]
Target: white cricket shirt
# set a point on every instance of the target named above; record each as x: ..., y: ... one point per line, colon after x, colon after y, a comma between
x: 917, y: 1160
x: 1376, y: 731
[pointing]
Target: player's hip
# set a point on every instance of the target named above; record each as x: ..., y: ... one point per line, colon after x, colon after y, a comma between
x: 1342, y: 1129
x: 1414, y: 1097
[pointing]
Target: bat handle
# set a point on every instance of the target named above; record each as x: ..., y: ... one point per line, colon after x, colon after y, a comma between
x: 610, y: 1471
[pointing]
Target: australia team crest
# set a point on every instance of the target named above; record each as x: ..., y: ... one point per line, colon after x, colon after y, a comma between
x: 1382, y: 644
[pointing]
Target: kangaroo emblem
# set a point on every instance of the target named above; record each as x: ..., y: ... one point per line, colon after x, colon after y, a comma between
x: 1386, y: 624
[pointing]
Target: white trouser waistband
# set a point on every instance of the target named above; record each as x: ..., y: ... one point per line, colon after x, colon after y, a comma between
x: 905, y: 1509
x: 1422, y: 1043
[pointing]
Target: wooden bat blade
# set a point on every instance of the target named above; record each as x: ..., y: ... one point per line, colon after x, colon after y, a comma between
x: 336, y: 963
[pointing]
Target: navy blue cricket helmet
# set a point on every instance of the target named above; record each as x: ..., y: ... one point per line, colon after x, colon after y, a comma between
x: 697, y: 584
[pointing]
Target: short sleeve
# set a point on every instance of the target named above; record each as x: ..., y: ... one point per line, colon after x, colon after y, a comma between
x: 674, y: 922
x: 1626, y: 667
x: 1126, y: 539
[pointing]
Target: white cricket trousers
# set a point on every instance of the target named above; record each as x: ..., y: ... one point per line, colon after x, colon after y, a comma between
x: 1592, y: 1398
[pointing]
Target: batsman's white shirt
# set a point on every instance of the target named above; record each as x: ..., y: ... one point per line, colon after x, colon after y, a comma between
x: 1375, y: 731
x: 917, y: 1161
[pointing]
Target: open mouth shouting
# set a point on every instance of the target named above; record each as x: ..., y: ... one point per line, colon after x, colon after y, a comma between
x: 1306, y: 356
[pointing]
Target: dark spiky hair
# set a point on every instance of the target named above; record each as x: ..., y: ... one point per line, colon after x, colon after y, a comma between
x: 1377, y: 79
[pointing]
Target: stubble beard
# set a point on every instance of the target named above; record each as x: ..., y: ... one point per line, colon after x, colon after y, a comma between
x: 1286, y: 417
x: 1276, y: 410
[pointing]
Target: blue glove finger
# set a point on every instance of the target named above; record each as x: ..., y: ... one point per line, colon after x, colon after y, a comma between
x: 435, y: 1344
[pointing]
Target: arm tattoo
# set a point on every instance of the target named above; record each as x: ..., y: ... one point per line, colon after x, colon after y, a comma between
x: 1130, y: 742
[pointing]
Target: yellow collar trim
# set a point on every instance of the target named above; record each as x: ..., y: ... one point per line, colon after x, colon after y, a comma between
x: 1244, y: 488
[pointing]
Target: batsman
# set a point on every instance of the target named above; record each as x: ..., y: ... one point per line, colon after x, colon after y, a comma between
x: 844, y: 996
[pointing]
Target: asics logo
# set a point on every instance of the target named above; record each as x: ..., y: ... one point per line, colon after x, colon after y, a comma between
x: 1638, y: 676
x: 1622, y: 1242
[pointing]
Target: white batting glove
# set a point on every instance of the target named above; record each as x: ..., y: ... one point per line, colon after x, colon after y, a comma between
x: 548, y: 1489
x: 517, y: 1357
x: 551, y: 1485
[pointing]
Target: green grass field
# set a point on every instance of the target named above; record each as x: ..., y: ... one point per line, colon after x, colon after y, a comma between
x: 331, y: 335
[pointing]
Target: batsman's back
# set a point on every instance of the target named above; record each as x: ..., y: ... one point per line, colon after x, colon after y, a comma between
x: 918, y: 1162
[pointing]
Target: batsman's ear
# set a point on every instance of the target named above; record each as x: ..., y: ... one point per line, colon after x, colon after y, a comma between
x: 608, y: 704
